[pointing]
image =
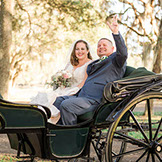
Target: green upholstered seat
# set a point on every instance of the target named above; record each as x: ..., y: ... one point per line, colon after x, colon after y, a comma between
x: 133, y: 73
x: 128, y: 70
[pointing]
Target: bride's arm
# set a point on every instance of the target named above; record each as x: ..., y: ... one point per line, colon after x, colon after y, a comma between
x: 85, y: 76
x: 74, y: 90
x: 82, y: 83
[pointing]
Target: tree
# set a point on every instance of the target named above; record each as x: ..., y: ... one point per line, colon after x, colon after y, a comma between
x: 158, y: 51
x: 146, y: 24
x: 44, y: 27
x: 5, y: 44
x: 142, y: 21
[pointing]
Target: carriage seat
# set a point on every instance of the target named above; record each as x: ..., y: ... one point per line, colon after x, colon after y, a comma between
x: 130, y: 72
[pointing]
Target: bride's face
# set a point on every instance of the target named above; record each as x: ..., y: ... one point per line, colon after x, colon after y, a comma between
x: 81, y: 51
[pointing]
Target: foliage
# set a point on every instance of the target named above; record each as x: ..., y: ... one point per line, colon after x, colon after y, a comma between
x: 142, y: 21
x: 43, y: 29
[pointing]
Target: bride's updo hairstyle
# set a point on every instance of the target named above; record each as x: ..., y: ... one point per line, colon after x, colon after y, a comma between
x: 73, y: 59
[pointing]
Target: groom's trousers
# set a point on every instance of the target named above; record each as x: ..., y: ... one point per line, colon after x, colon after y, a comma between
x: 71, y: 106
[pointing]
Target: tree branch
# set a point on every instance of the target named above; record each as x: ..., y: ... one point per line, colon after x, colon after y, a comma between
x: 138, y: 17
x: 142, y: 1
x: 111, y: 15
x: 27, y: 14
x: 140, y: 34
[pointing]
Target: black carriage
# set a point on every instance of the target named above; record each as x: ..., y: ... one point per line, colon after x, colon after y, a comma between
x: 114, y: 130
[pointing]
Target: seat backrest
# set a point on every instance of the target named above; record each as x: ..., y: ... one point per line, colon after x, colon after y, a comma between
x: 133, y: 73
x: 128, y: 71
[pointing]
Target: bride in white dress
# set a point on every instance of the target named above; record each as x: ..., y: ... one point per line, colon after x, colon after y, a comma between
x: 80, y: 57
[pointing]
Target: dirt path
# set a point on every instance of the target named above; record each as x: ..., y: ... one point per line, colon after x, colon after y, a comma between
x: 5, y: 146
x: 8, y: 153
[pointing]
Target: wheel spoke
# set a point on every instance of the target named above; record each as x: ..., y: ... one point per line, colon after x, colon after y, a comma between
x: 148, y: 155
x: 139, y: 127
x: 128, y: 152
x: 113, y: 153
x: 153, y: 157
x: 141, y: 156
x: 149, y: 119
x: 139, y: 142
x: 158, y: 156
x: 158, y: 129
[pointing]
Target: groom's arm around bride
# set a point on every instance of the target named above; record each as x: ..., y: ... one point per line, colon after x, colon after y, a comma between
x: 99, y: 73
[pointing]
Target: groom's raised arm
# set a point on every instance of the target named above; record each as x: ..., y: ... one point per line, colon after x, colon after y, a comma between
x: 121, y: 49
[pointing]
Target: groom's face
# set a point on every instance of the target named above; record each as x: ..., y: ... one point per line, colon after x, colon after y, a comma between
x: 104, y: 48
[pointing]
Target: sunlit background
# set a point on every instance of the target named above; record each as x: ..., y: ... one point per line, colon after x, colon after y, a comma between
x: 43, y: 32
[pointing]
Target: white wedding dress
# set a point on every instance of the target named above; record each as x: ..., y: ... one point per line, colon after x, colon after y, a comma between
x: 48, y: 98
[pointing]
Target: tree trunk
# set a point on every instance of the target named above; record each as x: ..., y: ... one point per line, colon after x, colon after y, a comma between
x: 158, y: 51
x: 5, y: 44
x: 157, y: 64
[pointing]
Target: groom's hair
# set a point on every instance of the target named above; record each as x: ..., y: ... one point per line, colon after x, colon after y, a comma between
x: 106, y: 39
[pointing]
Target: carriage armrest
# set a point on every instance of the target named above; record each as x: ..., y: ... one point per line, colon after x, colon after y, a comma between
x: 16, y: 116
x: 43, y: 108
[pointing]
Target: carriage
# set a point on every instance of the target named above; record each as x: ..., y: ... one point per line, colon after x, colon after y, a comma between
x: 115, y: 130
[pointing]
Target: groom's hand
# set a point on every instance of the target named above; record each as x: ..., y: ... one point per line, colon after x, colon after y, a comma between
x: 114, y: 26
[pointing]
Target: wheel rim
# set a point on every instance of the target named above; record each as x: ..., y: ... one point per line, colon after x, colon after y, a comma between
x: 141, y: 137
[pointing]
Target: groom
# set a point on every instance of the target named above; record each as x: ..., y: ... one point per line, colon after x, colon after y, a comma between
x: 99, y: 73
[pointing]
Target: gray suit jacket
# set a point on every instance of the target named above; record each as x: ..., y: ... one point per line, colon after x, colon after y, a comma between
x: 108, y: 70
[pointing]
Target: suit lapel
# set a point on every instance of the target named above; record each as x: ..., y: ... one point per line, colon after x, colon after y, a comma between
x: 91, y: 66
x: 94, y: 66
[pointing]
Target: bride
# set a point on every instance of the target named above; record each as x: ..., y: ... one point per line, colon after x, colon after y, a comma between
x: 80, y: 57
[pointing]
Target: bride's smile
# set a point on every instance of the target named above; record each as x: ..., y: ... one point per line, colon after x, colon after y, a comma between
x: 81, y: 51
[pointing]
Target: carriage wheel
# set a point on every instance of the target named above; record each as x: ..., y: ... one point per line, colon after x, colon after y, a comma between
x: 141, y: 138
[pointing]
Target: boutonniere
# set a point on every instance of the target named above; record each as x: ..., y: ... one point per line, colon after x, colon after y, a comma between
x: 103, y: 58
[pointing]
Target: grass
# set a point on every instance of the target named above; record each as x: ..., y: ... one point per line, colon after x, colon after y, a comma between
x: 138, y: 135
x: 158, y: 113
x: 141, y: 113
x: 9, y: 158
